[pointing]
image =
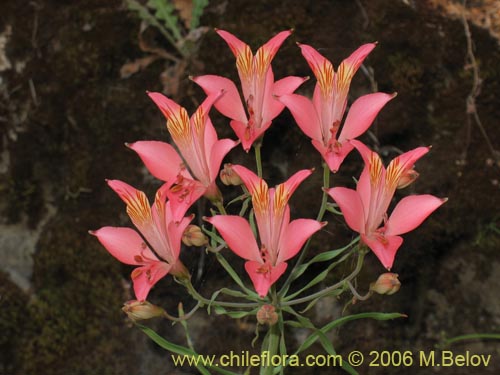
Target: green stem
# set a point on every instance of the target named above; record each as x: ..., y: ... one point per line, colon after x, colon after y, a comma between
x: 326, y: 185
x: 183, y: 316
x: 271, y: 348
x: 331, y: 288
x: 238, y: 305
x: 220, y: 207
x: 473, y: 336
x: 258, y: 159
x: 321, y: 213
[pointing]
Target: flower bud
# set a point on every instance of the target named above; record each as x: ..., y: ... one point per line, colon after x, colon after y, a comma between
x: 387, y: 283
x: 407, y: 178
x: 193, y: 236
x: 229, y: 177
x: 267, y: 315
x: 141, y: 310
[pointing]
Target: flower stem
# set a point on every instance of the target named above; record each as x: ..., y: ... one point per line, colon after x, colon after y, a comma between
x: 271, y: 343
x: 205, y: 301
x: 271, y: 348
x: 321, y: 213
x: 220, y: 207
x: 258, y: 159
x: 326, y: 185
x: 333, y: 287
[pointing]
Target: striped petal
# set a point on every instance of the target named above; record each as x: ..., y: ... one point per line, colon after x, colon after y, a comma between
x: 321, y: 67
x: 144, y: 278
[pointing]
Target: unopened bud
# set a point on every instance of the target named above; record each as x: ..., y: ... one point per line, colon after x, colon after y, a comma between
x: 142, y: 310
x: 229, y: 177
x: 387, y: 283
x: 193, y: 236
x: 267, y: 315
x: 407, y: 178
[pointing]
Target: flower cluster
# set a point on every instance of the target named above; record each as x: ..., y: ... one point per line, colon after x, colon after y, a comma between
x: 268, y: 239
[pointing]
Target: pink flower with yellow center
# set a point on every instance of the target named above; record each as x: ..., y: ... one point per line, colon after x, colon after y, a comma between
x: 365, y: 209
x: 258, y: 86
x: 202, y: 152
x: 279, y: 238
x: 156, y: 252
x: 320, y: 118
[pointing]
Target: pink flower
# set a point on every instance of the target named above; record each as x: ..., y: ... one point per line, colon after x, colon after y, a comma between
x: 320, y: 118
x: 280, y: 239
x: 258, y: 86
x: 365, y: 209
x: 158, y: 229
x: 199, y: 146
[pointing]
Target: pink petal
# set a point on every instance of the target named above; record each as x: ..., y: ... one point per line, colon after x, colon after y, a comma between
x: 363, y: 150
x: 144, y: 278
x: 242, y: 132
x: 362, y: 113
x: 170, y: 109
x: 321, y: 67
x: 236, y: 45
x: 410, y: 212
x: 357, y: 57
x: 263, y: 281
x: 124, y: 244
x: 288, y: 85
x: 335, y: 158
x: 175, y: 231
x: 351, y: 206
x: 250, y: 179
x: 271, y: 47
x: 304, y: 113
x: 183, y: 196
x: 296, y: 234
x: 217, y: 154
x: 237, y: 233
x: 295, y: 180
x: 408, y: 159
x: 160, y: 158
x: 229, y: 104
x: 385, y: 251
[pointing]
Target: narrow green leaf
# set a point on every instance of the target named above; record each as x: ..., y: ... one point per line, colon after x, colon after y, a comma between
x: 198, y: 7
x: 147, y: 17
x: 338, y: 322
x: 327, y: 345
x: 164, y: 10
x: 230, y: 270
